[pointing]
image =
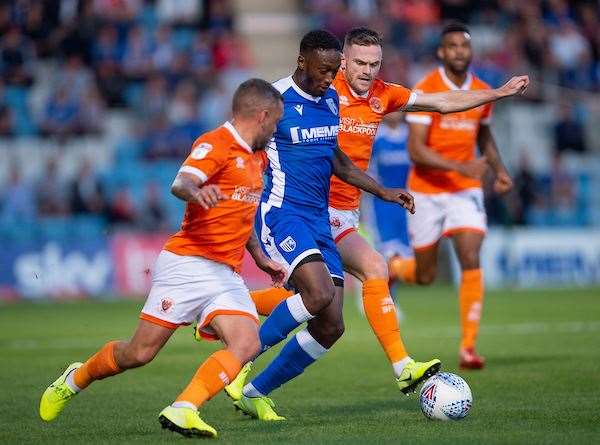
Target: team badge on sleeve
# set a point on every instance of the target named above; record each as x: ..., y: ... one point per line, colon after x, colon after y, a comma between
x: 201, y: 150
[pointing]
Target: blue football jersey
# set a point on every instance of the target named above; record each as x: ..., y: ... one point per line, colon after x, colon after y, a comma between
x: 390, y: 160
x: 302, y: 149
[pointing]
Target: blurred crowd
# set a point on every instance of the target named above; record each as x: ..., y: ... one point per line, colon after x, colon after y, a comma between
x: 171, y: 62
x: 170, y: 67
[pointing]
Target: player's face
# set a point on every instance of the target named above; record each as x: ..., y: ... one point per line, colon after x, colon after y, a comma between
x: 362, y: 65
x: 320, y: 67
x: 268, y: 124
x: 456, y: 52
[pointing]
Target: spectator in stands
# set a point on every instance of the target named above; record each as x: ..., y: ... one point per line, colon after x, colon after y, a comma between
x: 563, y: 193
x: 163, y: 51
x: 213, y: 109
x: 137, y: 60
x: 201, y: 57
x: 7, y: 128
x: 152, y: 216
x: 525, y: 186
x: 87, y: 196
x: 107, y: 55
x: 568, y: 131
x: 17, y: 199
x: 51, y: 192
x: 158, y: 139
x: 61, y: 115
x: 570, y: 53
x: 16, y: 58
x: 121, y: 210
x: 92, y: 112
x: 154, y: 99
x: 178, y: 12
x: 74, y: 77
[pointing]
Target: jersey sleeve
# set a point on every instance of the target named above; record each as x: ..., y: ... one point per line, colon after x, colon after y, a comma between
x: 421, y: 117
x: 205, y: 159
x: 399, y: 97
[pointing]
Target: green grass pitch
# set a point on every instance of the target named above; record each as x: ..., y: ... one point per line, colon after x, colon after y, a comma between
x: 540, y: 386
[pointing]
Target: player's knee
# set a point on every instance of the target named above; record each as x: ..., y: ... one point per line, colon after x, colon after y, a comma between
x: 141, y: 356
x: 319, y: 297
x: 246, y: 349
x: 470, y: 260
x: 375, y: 267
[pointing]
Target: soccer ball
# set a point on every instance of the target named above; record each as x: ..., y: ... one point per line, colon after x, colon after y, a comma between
x: 445, y: 396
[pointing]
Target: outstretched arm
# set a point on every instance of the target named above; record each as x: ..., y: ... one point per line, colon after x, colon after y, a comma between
x: 487, y: 145
x: 454, y: 101
x: 344, y: 168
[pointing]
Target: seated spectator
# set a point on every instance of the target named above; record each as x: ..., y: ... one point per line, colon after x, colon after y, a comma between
x: 152, y: 216
x: 163, y: 51
x: 16, y: 57
x: 61, y: 115
x: 570, y: 52
x: 17, y: 203
x: 568, y: 131
x: 7, y: 127
x: 51, y: 192
x: 92, y: 112
x: 154, y: 99
x: 87, y: 196
x: 74, y: 77
x: 137, y: 59
x: 121, y: 210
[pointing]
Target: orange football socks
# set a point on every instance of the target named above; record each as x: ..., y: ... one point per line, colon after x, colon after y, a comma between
x: 97, y: 367
x: 404, y: 269
x: 471, y: 301
x: 267, y: 299
x: 381, y: 314
x: 212, y: 376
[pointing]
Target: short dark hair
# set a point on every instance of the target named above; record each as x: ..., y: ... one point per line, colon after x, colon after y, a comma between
x: 252, y: 93
x: 454, y: 27
x: 319, y: 39
x: 362, y: 36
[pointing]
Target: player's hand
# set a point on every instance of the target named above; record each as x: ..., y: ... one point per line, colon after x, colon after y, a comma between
x: 399, y: 196
x: 209, y: 196
x: 503, y: 183
x: 516, y: 85
x: 473, y: 169
x: 273, y: 268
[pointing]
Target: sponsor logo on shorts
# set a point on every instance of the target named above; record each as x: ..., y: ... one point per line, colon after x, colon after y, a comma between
x: 288, y: 244
x: 165, y: 305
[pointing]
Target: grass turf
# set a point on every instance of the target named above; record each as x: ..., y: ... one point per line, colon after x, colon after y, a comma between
x: 540, y: 386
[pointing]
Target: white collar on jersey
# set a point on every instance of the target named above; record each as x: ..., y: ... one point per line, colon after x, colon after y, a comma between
x: 301, y: 92
x: 465, y: 86
x: 237, y: 136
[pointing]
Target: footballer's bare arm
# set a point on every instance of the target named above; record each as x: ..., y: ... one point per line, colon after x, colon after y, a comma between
x: 190, y: 188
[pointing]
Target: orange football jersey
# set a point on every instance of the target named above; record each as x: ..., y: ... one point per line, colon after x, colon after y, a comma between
x: 223, y: 158
x: 453, y: 135
x: 359, y: 119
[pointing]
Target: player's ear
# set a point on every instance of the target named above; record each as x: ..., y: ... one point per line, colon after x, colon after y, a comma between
x: 440, y: 53
x: 301, y: 62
